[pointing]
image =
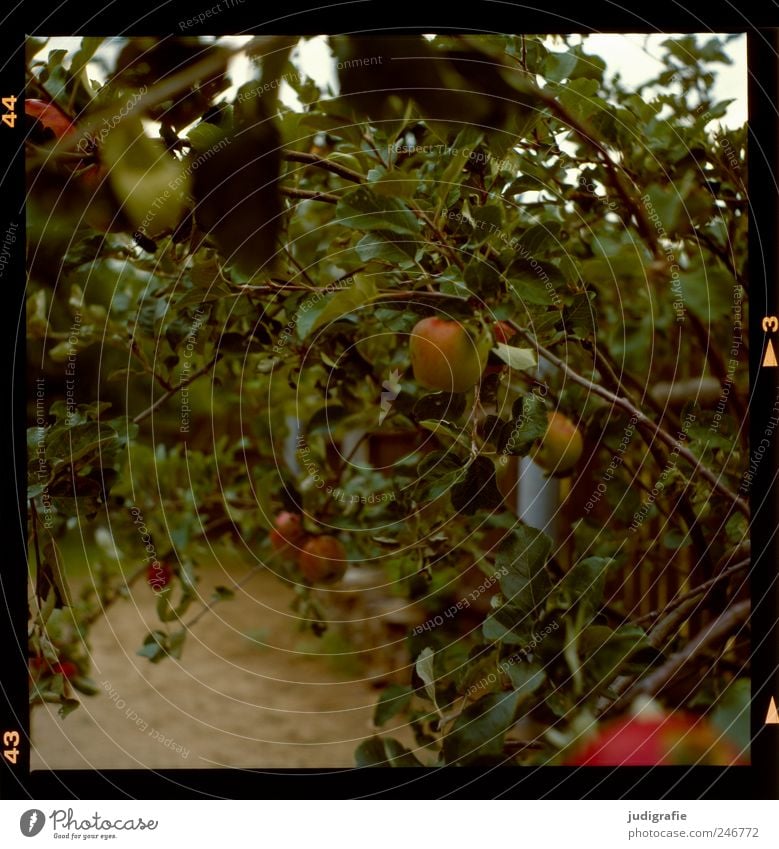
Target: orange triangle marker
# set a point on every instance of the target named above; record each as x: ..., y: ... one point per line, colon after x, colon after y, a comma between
x: 772, y: 717
x: 769, y: 359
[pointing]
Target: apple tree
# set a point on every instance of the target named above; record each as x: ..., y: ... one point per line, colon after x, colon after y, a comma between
x: 332, y: 326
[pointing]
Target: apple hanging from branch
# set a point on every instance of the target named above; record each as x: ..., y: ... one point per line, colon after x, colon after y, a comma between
x: 560, y: 449
x: 445, y: 356
x: 287, y: 531
x: 322, y: 560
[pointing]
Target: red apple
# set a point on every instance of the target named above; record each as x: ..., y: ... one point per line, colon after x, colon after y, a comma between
x: 158, y: 575
x: 287, y: 531
x: 445, y: 356
x: 322, y: 560
x: 66, y: 668
x: 41, y: 666
x: 51, y: 117
x: 503, y: 332
x: 656, y: 741
x: 561, y: 447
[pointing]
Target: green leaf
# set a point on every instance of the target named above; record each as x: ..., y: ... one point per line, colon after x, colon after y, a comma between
x: 606, y: 652
x: 483, y: 278
x: 441, y: 406
x: 525, y: 678
x: 204, y: 137
x: 165, y: 610
x: 582, y: 586
x: 362, y: 291
x: 152, y: 651
x: 85, y: 685
x: 507, y: 625
x: 529, y: 424
x: 578, y: 97
x: 467, y: 140
x: 480, y: 729
x: 81, y: 58
x: 535, y: 239
x: 398, y: 755
x: 222, y: 594
x: 580, y: 317
x: 53, y: 575
x: 668, y: 203
x: 385, y: 246
x: 364, y: 209
x: 394, y: 700
x: 370, y: 753
x: 488, y: 220
x: 424, y: 668
x: 559, y: 66
x: 307, y: 313
x: 437, y: 472
x: 516, y: 358
x: 528, y: 288
x: 67, y: 706
x: 708, y: 292
x: 521, y: 561
x: 33, y: 46
x: 478, y: 490
x: 451, y: 282
x: 732, y: 711
x: 154, y: 646
x: 149, y: 183
x: 325, y: 419
x: 176, y: 643
x: 383, y: 752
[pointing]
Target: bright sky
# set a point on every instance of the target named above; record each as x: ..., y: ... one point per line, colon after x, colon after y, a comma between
x: 634, y: 56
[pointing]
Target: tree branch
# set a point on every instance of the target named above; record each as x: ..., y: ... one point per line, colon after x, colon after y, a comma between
x: 641, y: 419
x: 159, y: 93
x: 173, y: 390
x: 715, y: 632
x: 700, y: 590
x: 717, y: 363
x: 209, y: 606
x: 325, y: 164
x: 307, y: 194
x: 645, y: 227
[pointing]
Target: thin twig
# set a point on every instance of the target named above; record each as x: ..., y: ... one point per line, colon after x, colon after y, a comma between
x: 325, y: 164
x: 723, y: 255
x: 715, y: 632
x: 308, y: 194
x: 350, y: 456
x: 603, y: 361
x: 209, y: 606
x: 693, y: 524
x: 700, y: 590
x: 107, y: 602
x: 641, y: 419
x: 148, y: 368
x: 303, y: 272
x: 413, y: 294
x: 173, y: 390
x: 645, y: 227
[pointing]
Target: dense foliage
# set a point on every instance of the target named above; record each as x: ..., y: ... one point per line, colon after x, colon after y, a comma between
x: 219, y: 312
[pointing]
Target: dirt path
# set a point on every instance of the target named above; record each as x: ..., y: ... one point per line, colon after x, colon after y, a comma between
x: 230, y: 701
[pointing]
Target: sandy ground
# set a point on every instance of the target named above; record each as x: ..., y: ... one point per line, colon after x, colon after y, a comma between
x: 230, y: 701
